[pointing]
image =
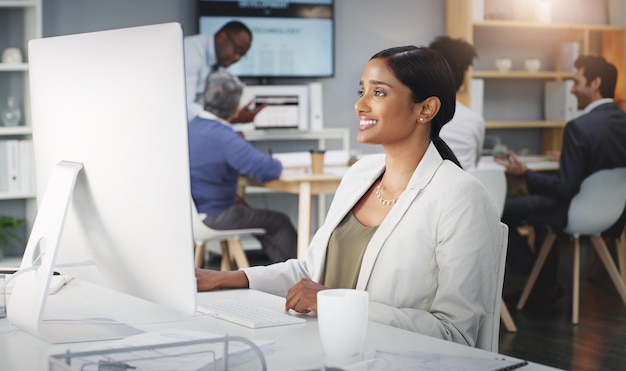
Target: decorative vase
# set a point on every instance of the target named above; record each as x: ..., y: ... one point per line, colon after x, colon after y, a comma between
x: 12, y: 55
x: 532, y: 64
x: 12, y: 115
x: 503, y: 64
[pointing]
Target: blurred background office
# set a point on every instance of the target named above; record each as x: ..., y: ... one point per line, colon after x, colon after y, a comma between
x: 363, y: 27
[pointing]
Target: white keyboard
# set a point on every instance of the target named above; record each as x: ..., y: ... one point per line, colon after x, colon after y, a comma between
x: 246, y: 314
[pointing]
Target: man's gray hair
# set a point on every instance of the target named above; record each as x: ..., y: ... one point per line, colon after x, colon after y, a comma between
x: 222, y: 93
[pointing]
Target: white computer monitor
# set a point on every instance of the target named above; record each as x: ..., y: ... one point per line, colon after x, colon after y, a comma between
x: 113, y: 101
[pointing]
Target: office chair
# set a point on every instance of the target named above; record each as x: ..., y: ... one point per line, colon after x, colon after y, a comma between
x: 489, y: 330
x: 232, y: 250
x: 621, y: 253
x: 495, y: 181
x: 597, y: 206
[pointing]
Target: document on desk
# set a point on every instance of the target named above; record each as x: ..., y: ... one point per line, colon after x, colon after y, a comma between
x: 171, y: 349
x: 414, y: 360
x: 303, y: 159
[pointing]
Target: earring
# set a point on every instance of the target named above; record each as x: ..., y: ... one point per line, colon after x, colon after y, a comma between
x: 421, y: 119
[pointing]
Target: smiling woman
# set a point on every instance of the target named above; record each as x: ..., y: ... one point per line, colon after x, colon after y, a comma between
x: 425, y: 242
x: 395, y: 72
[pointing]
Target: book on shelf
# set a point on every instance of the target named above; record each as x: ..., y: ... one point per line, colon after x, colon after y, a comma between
x: 27, y: 166
x: 17, y: 170
x: 478, y: 10
x: 476, y: 95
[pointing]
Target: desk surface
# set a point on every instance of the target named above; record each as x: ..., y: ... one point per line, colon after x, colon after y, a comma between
x: 534, y: 162
x: 298, y: 175
x: 296, y: 346
x: 293, y: 180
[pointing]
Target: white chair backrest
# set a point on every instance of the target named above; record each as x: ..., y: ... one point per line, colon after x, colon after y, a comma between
x: 489, y: 330
x: 599, y: 203
x: 200, y: 230
x: 495, y: 181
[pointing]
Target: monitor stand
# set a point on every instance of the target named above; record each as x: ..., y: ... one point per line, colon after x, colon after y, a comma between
x: 27, y: 303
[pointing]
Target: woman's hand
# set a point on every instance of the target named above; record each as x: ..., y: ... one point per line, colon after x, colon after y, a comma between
x: 209, y: 280
x: 302, y: 297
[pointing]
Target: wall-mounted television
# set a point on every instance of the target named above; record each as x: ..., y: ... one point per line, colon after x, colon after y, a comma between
x: 289, y: 38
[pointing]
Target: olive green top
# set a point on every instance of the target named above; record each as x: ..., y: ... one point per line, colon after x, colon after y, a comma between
x: 345, y: 253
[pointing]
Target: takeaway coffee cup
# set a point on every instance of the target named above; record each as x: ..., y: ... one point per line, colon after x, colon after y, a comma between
x: 342, y: 320
x: 317, y: 160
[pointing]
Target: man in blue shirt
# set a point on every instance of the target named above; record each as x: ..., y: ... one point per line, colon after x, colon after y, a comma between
x: 218, y: 155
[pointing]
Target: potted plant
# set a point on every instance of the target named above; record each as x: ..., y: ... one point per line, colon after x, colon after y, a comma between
x: 7, y: 234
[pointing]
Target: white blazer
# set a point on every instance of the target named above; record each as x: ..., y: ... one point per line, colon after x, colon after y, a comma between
x: 431, y: 266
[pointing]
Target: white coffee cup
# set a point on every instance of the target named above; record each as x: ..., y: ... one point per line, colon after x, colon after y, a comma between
x: 503, y: 64
x: 342, y: 319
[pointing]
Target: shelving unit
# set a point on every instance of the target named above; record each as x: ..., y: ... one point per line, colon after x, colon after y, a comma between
x: 21, y: 21
x: 519, y: 39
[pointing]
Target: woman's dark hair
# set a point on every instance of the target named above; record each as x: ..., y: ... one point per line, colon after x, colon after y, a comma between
x: 458, y: 53
x: 427, y: 74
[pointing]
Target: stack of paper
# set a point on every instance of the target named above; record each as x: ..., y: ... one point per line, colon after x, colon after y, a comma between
x: 303, y: 159
x: 413, y: 360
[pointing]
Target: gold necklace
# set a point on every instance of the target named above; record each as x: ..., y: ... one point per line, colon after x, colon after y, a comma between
x: 380, y: 197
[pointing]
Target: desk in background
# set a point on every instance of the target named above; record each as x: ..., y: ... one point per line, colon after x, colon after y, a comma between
x: 293, y: 182
x: 321, y: 136
x: 533, y: 162
x: 296, y: 346
x: 517, y: 185
x: 540, y: 163
x: 305, y: 185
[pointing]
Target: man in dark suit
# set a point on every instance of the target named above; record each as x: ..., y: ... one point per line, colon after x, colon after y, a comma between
x: 593, y: 141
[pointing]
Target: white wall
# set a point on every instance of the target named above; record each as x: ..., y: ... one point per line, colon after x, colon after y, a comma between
x: 63, y: 17
x: 363, y: 28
